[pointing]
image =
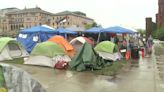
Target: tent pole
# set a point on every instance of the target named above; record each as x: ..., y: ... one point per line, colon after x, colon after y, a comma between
x: 98, y: 39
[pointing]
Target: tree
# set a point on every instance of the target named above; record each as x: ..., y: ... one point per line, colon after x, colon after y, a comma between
x: 94, y: 24
x: 160, y: 33
x: 141, y: 31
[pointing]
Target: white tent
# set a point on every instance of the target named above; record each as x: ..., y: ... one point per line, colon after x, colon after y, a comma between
x: 75, y: 28
x: 10, y: 49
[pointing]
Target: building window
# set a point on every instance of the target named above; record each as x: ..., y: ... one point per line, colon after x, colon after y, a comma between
x: 53, y: 24
x: 68, y: 23
x: 28, y: 19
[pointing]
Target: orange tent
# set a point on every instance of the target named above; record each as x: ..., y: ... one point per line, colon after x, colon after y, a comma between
x: 64, y: 44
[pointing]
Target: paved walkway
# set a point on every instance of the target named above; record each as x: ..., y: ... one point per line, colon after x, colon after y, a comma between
x: 141, y: 77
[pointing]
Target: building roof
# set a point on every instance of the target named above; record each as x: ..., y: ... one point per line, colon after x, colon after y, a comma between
x: 11, y: 8
x: 37, y: 9
x: 77, y: 13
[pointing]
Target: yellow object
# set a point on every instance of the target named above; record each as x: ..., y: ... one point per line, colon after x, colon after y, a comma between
x: 3, y: 89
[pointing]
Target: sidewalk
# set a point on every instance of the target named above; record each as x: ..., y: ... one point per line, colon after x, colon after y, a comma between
x: 141, y: 77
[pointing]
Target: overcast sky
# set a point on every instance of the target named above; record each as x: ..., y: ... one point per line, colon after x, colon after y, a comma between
x: 129, y: 13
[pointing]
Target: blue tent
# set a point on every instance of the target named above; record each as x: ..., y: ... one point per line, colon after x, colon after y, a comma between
x: 94, y: 30
x: 31, y: 36
x: 63, y: 32
x: 118, y: 29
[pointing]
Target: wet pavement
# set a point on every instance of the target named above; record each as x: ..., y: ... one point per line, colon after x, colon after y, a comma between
x: 142, y: 76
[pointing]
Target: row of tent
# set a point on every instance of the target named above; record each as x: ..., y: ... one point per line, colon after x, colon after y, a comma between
x: 30, y: 37
x: 57, y: 52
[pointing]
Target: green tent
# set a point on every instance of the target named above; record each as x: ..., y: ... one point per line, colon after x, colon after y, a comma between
x: 4, y: 41
x: 10, y: 49
x: 48, y: 49
x: 86, y: 59
x: 105, y: 46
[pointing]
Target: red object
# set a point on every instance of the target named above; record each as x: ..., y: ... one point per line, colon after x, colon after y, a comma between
x: 128, y: 55
x: 61, y: 64
x: 124, y: 34
x: 142, y: 53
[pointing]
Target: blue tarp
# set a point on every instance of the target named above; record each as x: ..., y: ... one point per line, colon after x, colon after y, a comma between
x: 94, y: 30
x: 118, y: 29
x: 30, y: 37
x: 37, y: 29
x: 65, y: 31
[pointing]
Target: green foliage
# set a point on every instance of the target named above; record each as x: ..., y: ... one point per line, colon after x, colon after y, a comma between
x: 154, y: 34
x: 141, y: 31
x: 160, y: 34
x: 94, y: 24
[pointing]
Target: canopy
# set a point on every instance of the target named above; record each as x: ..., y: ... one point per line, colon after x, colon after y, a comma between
x: 75, y: 28
x: 118, y: 29
x: 30, y: 37
x: 37, y: 29
x: 65, y: 31
x: 64, y: 44
x: 94, y: 30
x: 48, y: 49
x: 105, y: 46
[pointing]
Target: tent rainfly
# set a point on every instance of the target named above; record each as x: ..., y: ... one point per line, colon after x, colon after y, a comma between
x: 108, y: 50
x: 10, y: 49
x: 47, y: 54
x: 64, y: 44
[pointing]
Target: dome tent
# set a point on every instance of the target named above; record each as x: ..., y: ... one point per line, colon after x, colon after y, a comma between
x: 47, y: 54
x: 107, y: 50
x: 10, y: 49
x: 79, y: 41
x: 64, y: 44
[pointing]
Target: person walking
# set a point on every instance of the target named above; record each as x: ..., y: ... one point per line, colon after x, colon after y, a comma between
x: 149, y: 45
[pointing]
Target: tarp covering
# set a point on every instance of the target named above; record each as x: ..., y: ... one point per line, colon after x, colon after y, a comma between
x: 64, y: 44
x: 94, y: 30
x: 18, y: 80
x: 2, y: 81
x: 48, y: 49
x: 65, y: 31
x: 4, y: 41
x: 118, y: 29
x: 30, y: 37
x: 75, y: 28
x: 38, y: 29
x: 105, y: 46
x: 86, y: 58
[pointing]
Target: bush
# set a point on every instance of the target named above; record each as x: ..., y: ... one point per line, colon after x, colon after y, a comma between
x: 160, y: 34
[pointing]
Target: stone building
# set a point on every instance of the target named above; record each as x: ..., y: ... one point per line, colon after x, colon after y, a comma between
x: 28, y: 17
x: 67, y: 19
x: 3, y: 13
x: 160, y: 14
x: 25, y: 18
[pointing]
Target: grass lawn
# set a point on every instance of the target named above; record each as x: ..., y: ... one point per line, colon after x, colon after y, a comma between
x: 111, y: 70
x: 15, y: 61
x: 162, y: 43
